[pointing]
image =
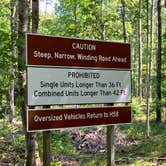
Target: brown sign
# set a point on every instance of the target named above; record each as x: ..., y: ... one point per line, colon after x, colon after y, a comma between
x: 58, y: 51
x: 63, y: 118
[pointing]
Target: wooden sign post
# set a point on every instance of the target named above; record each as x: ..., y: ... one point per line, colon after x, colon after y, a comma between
x: 46, y: 145
x: 111, y: 145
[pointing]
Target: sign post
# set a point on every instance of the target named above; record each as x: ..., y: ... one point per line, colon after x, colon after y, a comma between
x: 110, y: 145
x: 46, y: 146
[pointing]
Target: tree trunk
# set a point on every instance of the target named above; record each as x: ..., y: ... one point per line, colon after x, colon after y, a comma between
x: 12, y: 106
x: 11, y: 98
x: 151, y: 47
x: 134, y: 71
x: 140, y: 51
x: 123, y: 19
x: 31, y: 137
x: 75, y: 18
x: 158, y: 61
x: 147, y: 73
x: 102, y: 31
x: 22, y: 29
x: 32, y: 156
x: 35, y: 15
x: 13, y: 26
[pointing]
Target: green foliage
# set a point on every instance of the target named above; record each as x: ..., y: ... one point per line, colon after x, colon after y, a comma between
x: 135, y: 106
x: 143, y: 151
x: 6, y: 59
x: 97, y: 160
x: 84, y: 19
x: 61, y: 143
x: 4, y: 129
x: 135, y: 131
x: 58, y: 163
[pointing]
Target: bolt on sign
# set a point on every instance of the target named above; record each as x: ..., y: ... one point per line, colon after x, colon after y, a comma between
x: 76, y: 71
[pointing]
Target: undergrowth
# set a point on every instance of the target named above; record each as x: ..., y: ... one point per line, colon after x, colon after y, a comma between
x: 137, y: 152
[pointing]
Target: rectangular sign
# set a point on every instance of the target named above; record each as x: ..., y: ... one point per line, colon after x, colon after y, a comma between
x: 50, y: 86
x: 58, y: 51
x: 64, y: 118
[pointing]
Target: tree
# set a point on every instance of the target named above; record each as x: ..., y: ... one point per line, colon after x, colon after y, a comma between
x: 151, y: 46
x: 13, y: 29
x: 140, y: 50
x: 147, y: 73
x: 158, y: 61
x: 32, y: 145
x: 35, y: 15
x: 23, y: 8
x: 123, y: 19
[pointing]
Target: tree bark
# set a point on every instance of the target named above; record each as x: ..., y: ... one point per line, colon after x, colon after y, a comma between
x: 147, y: 73
x: 12, y: 106
x: 151, y: 46
x: 140, y: 51
x: 13, y: 29
x: 22, y: 29
x: 123, y: 19
x: 31, y: 137
x: 35, y: 15
x: 102, y: 31
x: 32, y: 158
x: 158, y: 61
x: 75, y: 18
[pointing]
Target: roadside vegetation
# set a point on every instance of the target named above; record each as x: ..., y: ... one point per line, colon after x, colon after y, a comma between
x: 87, y: 146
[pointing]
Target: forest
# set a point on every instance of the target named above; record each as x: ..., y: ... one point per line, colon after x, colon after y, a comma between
x: 140, y: 23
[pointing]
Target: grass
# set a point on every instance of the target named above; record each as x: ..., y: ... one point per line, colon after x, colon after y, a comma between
x: 144, y: 152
